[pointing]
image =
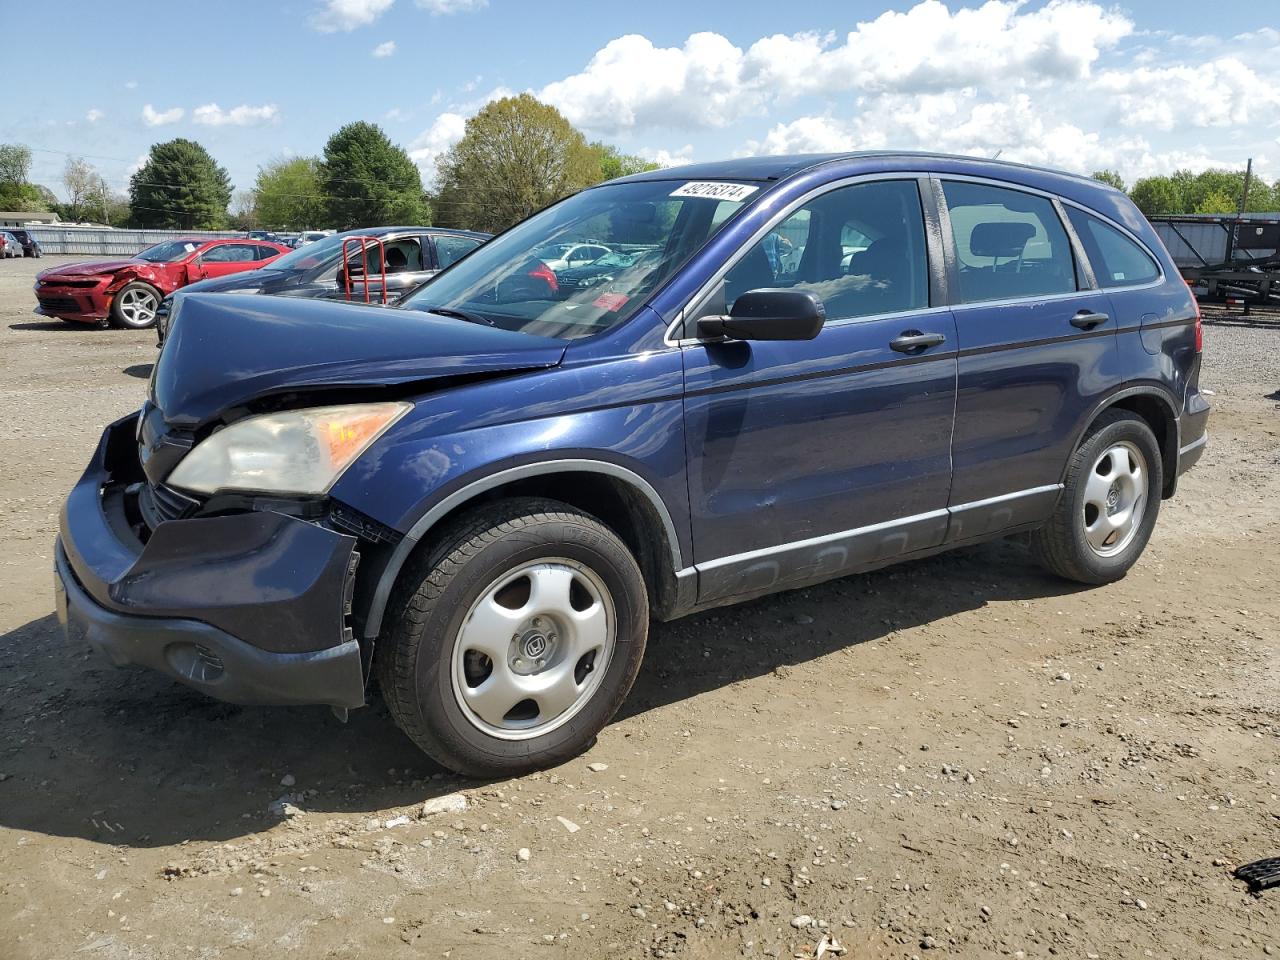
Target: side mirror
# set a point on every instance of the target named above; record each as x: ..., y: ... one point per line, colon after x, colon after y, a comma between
x: 768, y: 315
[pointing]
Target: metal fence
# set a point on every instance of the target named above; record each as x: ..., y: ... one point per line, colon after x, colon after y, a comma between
x: 104, y: 241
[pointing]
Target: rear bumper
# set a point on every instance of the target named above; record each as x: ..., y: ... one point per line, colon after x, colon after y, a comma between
x: 248, y: 607
x: 1193, y: 430
x: 1190, y: 453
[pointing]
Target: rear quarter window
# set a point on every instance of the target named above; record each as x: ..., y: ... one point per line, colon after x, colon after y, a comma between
x: 1117, y: 261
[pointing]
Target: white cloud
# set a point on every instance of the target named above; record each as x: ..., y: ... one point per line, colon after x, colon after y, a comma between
x: 346, y: 15
x: 1220, y: 93
x: 94, y: 115
x: 131, y: 85
x: 710, y: 82
x: 158, y: 118
x: 439, y: 7
x: 212, y: 115
x: 395, y: 114
x: 668, y: 158
x: 429, y: 145
x: 385, y: 49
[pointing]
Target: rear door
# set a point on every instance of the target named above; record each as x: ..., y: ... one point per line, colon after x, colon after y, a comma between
x: 809, y: 459
x: 1037, y: 351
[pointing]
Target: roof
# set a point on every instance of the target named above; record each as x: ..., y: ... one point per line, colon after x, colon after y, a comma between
x: 783, y: 166
x: 383, y: 231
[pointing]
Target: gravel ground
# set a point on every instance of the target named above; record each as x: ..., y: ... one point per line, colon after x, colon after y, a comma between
x: 957, y: 757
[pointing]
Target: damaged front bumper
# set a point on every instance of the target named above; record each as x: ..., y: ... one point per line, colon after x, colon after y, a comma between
x: 248, y: 607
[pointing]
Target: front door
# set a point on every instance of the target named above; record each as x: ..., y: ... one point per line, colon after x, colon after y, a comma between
x: 227, y: 258
x: 1037, y: 353
x: 811, y: 459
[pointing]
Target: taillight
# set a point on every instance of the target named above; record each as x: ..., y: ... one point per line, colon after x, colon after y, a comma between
x: 544, y: 273
x: 1199, y: 321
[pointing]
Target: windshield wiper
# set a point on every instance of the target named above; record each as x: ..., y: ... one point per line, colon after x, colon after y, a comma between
x: 460, y: 315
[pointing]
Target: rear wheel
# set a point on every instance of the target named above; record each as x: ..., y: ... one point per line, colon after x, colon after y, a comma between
x: 1109, y: 504
x: 134, y: 307
x: 515, y: 639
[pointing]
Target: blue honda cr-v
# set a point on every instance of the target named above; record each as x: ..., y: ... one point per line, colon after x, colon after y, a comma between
x: 792, y: 369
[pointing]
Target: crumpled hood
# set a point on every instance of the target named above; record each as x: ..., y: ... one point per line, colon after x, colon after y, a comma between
x: 93, y: 268
x: 222, y: 352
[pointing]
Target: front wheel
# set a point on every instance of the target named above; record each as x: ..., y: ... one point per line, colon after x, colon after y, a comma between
x: 134, y: 307
x: 1109, y: 503
x: 514, y: 640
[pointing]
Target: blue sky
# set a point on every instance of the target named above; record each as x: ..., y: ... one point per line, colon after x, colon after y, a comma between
x: 1144, y: 86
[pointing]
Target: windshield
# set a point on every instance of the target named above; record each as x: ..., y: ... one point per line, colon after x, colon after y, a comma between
x: 646, y: 229
x: 169, y: 251
x: 311, y: 255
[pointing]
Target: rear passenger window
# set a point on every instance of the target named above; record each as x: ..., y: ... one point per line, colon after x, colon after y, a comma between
x: 451, y: 249
x: 1117, y: 260
x: 1009, y: 244
x: 860, y: 248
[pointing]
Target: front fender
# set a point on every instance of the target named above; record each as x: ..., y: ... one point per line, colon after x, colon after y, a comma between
x: 159, y: 279
x: 622, y: 421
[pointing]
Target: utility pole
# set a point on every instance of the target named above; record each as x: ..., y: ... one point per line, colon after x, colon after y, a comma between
x: 1244, y: 196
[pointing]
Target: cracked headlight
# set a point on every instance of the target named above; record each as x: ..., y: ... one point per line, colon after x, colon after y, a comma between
x: 294, y: 452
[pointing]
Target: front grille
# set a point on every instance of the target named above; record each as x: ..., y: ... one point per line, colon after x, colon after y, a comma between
x: 60, y: 304
x: 159, y: 503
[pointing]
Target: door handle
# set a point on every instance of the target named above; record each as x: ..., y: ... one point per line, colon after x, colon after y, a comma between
x: 1087, y: 319
x: 913, y: 341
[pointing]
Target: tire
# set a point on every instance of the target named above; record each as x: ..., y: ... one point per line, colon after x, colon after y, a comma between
x: 134, y: 306
x: 1109, y: 503
x: 489, y: 568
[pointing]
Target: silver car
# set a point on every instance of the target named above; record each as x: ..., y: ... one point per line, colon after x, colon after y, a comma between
x: 9, y: 245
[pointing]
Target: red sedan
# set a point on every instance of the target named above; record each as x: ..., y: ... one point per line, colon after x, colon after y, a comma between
x: 127, y: 292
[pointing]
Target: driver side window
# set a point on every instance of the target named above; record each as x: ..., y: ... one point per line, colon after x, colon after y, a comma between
x: 860, y: 248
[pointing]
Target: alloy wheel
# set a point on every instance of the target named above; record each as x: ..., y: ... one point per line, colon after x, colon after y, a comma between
x: 138, y: 307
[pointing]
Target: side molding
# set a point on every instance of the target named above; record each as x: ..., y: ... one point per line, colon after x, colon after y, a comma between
x: 382, y: 593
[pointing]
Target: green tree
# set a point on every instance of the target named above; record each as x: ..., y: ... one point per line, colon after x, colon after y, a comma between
x: 614, y: 163
x: 83, y: 183
x: 516, y: 156
x: 1111, y: 178
x: 15, y: 192
x: 287, y: 194
x: 15, y: 164
x: 180, y: 186
x: 368, y: 181
x: 1157, y: 195
x: 1216, y: 201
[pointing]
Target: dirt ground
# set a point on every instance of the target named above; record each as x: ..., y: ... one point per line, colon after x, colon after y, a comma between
x: 957, y: 757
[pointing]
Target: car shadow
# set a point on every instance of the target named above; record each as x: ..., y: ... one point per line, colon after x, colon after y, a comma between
x: 140, y: 370
x: 53, y: 325
x: 131, y: 758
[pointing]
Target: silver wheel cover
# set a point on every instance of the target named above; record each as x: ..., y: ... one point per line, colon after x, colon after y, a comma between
x: 533, y: 649
x: 1115, y: 499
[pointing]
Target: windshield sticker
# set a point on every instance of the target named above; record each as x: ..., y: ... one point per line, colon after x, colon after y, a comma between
x: 611, y: 301
x: 715, y: 191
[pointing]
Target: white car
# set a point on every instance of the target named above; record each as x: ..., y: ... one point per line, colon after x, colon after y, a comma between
x: 309, y: 236
x: 9, y: 245
x: 573, y: 255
